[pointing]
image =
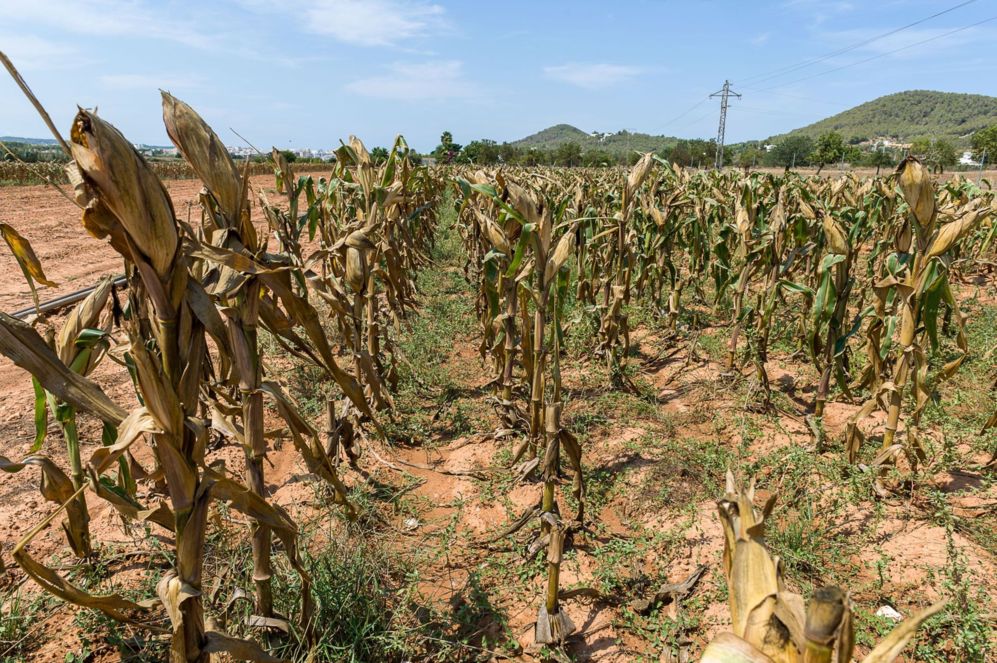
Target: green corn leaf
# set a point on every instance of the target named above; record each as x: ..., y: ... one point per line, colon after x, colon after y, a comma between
x: 796, y: 287
x: 41, y: 415
x: 520, y: 251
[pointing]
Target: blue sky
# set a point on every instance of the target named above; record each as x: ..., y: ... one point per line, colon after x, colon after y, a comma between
x: 307, y: 73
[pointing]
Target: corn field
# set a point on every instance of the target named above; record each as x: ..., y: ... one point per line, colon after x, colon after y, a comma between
x: 862, y: 270
x: 16, y: 173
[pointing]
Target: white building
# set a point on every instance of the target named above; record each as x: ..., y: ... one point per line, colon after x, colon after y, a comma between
x: 967, y: 159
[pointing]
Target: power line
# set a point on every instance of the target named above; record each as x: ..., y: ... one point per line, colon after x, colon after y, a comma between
x: 882, y: 55
x: 812, y: 100
x: 685, y: 112
x: 807, y: 63
x: 697, y: 120
x: 774, y: 88
x: 773, y: 111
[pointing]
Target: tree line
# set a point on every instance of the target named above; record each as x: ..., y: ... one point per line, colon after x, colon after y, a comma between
x: 792, y: 151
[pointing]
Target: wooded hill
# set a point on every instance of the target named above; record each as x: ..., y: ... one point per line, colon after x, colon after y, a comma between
x: 903, y: 116
x: 614, y: 143
x: 906, y: 116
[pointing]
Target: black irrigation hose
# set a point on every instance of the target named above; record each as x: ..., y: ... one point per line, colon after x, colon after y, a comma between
x: 64, y: 300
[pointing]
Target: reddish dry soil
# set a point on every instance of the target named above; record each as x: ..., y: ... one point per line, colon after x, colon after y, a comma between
x: 71, y: 257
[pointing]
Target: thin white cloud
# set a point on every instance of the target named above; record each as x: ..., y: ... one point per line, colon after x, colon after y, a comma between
x: 836, y: 7
x: 758, y: 40
x: 374, y: 22
x: 28, y: 52
x: 150, y: 82
x: 819, y: 11
x: 405, y: 81
x: 104, y: 18
x: 591, y: 76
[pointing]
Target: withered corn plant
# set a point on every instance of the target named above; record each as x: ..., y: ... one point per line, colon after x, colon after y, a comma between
x: 769, y: 622
x: 124, y: 200
x: 618, y: 271
x: 494, y: 243
x: 227, y: 225
x: 911, y: 290
x: 182, y: 287
x: 529, y: 260
x: 371, y: 222
x: 81, y: 344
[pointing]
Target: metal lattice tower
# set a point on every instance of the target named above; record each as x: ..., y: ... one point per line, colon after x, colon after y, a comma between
x: 723, y: 93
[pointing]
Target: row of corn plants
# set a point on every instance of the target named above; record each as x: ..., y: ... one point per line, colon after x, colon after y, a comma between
x: 854, y: 266
x: 198, y: 297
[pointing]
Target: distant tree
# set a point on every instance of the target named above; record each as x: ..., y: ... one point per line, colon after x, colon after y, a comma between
x: 936, y: 153
x: 509, y: 153
x: 879, y: 158
x: 480, y: 152
x: 790, y: 152
x: 750, y: 157
x: 703, y: 152
x: 680, y: 153
x: 944, y: 154
x: 830, y: 147
x: 533, y: 157
x: 985, y: 140
x: 852, y: 154
x: 568, y: 154
x: 289, y: 155
x: 598, y: 158
x: 379, y: 155
x: 447, y: 151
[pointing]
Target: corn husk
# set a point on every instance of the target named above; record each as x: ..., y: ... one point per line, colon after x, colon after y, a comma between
x: 835, y: 235
x: 918, y: 191
x: 949, y: 234
x: 128, y: 189
x: 205, y: 153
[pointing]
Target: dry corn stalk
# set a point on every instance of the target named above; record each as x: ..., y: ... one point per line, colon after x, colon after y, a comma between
x: 227, y: 224
x: 80, y: 347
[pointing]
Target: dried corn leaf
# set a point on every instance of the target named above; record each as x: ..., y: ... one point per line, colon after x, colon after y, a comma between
x: 25, y: 256
x: 22, y: 345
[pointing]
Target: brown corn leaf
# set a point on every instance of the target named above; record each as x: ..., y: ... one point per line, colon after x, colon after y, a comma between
x: 560, y: 255
x: 58, y: 488
x: 139, y: 422
x: 918, y: 190
x: 24, y: 255
x: 22, y: 345
x: 728, y: 648
x: 113, y: 605
x: 85, y: 315
x: 949, y: 234
x: 837, y: 239
x: 219, y: 642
